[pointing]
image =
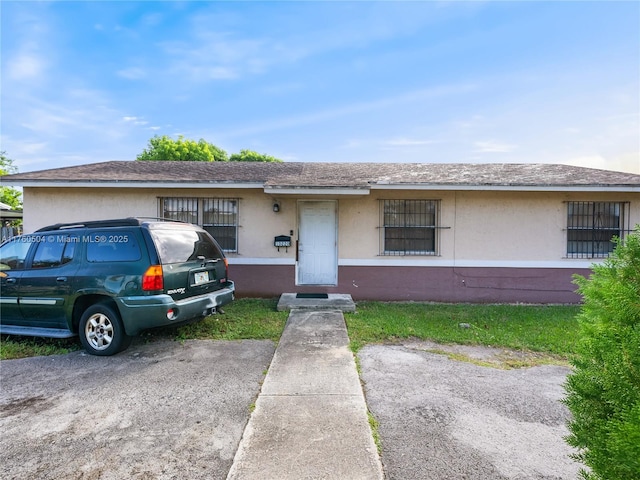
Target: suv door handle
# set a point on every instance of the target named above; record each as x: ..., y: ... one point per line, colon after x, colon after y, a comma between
x: 11, y: 280
x: 61, y: 279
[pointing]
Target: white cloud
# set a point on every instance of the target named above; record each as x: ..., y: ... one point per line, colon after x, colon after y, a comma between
x: 25, y: 66
x: 216, y: 46
x: 406, y: 142
x: 47, y: 120
x: 133, y: 73
x: 353, y: 143
x: 474, y: 121
x: 152, y: 19
x: 135, y: 120
x: 26, y: 149
x: 491, y: 146
x: 216, y: 73
x: 624, y: 163
x: 379, y: 104
x: 28, y: 40
x: 215, y: 57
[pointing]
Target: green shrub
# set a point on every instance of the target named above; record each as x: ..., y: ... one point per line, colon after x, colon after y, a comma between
x: 603, y: 392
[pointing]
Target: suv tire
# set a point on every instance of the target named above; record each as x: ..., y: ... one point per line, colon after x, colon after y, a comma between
x: 101, y: 331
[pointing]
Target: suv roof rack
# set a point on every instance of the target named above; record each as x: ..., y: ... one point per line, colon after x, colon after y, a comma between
x: 118, y: 222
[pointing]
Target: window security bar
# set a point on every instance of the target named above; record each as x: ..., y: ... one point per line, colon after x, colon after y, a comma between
x: 409, y: 227
x: 218, y: 216
x: 592, y: 226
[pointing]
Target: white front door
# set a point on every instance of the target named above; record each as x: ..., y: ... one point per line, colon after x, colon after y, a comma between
x: 317, y: 243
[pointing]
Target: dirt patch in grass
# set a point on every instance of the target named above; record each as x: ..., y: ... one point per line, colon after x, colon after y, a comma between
x: 488, y: 356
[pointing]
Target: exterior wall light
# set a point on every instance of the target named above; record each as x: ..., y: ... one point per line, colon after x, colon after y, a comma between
x: 276, y: 207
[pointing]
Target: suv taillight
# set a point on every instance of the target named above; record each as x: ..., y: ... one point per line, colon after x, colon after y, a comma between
x: 153, y: 279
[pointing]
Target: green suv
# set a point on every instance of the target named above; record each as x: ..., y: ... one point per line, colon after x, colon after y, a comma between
x: 106, y: 281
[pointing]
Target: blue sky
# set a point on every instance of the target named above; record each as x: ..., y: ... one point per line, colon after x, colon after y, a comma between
x: 451, y: 81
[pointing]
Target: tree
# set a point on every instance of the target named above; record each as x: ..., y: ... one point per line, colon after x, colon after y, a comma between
x: 182, y: 149
x: 603, y: 392
x: 165, y: 148
x: 251, y: 156
x: 8, y: 195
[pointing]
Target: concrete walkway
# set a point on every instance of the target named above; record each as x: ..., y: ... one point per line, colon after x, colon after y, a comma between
x: 310, y: 419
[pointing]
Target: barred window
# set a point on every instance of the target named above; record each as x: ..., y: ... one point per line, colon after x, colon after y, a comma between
x: 409, y: 227
x: 181, y: 209
x: 220, y: 219
x: 591, y: 226
x: 218, y: 216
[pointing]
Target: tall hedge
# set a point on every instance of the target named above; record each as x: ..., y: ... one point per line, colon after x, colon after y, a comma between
x: 603, y: 391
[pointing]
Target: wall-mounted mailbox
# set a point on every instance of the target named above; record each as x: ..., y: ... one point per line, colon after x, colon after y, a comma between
x: 282, y: 241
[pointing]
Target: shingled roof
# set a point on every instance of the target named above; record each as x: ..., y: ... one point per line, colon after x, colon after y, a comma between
x: 300, y: 175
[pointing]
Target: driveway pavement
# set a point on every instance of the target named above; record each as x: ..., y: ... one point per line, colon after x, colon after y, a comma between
x: 171, y: 410
x: 166, y: 410
x: 447, y: 419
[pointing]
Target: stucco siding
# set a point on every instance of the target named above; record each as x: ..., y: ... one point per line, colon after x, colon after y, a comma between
x: 507, y: 226
x: 46, y: 206
x: 476, y: 226
x: 492, y: 245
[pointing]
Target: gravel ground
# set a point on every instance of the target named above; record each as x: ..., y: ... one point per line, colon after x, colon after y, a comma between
x: 447, y: 419
x: 164, y: 410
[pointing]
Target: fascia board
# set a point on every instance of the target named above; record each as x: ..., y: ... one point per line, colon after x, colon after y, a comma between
x: 127, y: 184
x: 320, y: 190
x: 511, y: 188
x: 316, y: 191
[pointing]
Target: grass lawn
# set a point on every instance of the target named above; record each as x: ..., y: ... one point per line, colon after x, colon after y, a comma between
x: 244, y: 318
x: 546, y: 329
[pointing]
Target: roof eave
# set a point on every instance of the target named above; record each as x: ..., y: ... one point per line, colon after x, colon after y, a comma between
x: 512, y: 188
x: 134, y: 184
x: 315, y: 190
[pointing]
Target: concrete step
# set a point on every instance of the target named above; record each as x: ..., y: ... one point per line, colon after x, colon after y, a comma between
x: 331, y: 301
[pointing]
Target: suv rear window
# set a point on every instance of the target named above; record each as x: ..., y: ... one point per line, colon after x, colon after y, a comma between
x: 178, y: 246
x: 112, y: 247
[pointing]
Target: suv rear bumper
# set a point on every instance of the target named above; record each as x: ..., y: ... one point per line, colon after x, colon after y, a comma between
x: 140, y: 313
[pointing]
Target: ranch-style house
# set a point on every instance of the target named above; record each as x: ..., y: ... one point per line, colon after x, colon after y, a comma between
x: 383, y: 231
